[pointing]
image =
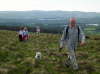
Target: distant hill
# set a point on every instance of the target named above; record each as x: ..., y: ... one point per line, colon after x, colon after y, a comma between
x: 47, y: 14
x: 29, y: 17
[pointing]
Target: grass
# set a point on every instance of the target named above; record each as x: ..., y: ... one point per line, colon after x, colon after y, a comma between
x: 18, y: 57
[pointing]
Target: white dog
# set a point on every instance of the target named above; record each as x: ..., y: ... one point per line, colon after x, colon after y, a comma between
x: 38, y: 55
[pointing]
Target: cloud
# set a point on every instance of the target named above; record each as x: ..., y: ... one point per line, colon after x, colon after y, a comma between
x: 67, y: 5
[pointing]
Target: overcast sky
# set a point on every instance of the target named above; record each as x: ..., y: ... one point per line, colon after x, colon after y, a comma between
x: 65, y: 5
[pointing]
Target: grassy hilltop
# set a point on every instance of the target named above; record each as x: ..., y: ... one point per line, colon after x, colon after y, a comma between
x: 18, y: 57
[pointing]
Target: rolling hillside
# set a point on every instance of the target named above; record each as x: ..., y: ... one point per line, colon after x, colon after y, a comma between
x: 18, y: 57
x: 47, y: 17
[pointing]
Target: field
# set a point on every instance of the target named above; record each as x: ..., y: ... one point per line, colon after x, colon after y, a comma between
x: 18, y: 57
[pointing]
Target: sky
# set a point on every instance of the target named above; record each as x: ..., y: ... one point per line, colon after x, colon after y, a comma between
x: 47, y: 5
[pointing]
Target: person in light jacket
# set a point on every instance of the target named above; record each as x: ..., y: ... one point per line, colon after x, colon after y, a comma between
x: 71, y: 37
x: 20, y: 34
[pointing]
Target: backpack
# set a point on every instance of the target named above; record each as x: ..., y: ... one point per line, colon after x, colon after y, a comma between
x: 67, y: 32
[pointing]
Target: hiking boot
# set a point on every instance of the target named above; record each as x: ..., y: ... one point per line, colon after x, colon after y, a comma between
x: 75, y: 67
x: 67, y: 64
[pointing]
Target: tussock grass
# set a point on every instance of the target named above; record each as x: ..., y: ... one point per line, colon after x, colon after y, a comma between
x: 18, y: 57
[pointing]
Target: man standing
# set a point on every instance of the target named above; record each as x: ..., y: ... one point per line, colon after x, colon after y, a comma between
x: 72, y: 35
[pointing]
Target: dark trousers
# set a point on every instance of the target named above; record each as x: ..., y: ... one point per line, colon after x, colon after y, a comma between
x: 20, y: 38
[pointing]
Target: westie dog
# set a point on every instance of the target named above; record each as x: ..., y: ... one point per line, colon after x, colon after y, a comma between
x: 38, y: 55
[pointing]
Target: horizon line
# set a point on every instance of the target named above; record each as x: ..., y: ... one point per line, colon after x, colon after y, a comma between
x: 46, y: 11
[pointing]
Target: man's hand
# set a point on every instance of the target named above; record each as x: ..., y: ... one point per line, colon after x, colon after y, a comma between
x: 82, y: 43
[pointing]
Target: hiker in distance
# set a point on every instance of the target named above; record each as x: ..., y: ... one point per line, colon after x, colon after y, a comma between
x: 71, y: 37
x: 20, y: 33
x: 23, y: 34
